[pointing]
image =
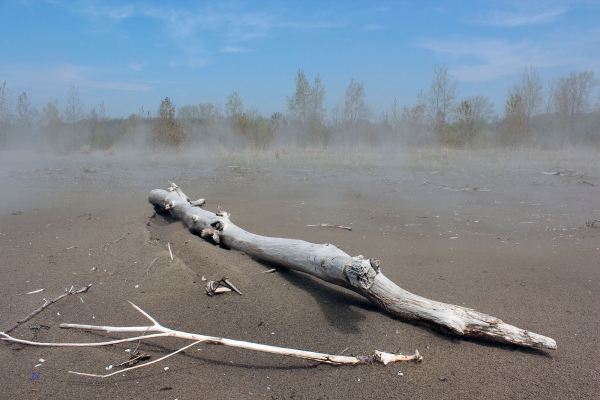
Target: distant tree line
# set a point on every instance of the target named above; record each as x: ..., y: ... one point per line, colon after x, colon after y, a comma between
x: 561, y: 115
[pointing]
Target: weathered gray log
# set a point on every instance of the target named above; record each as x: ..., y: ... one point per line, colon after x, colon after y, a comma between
x: 363, y: 276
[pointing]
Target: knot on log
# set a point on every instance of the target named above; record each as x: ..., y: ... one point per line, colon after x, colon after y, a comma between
x: 360, y: 273
x: 375, y: 264
x: 209, y: 231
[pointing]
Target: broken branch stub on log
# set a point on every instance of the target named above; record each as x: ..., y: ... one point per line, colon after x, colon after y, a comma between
x: 363, y: 276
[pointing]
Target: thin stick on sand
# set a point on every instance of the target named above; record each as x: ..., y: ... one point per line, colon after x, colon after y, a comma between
x: 336, y: 360
x: 228, y: 283
x: 151, y: 264
x: 332, y: 226
x: 46, y: 304
x: 170, y: 252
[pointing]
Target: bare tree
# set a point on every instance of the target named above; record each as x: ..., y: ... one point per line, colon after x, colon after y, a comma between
x: 210, y: 112
x: 234, y: 110
x: 572, y: 93
x: 317, y: 98
x: 144, y: 113
x: 275, y: 123
x: 189, y: 112
x: 24, y: 113
x: 210, y: 116
x: 396, y: 115
x: 440, y: 100
x: 516, y: 124
x: 466, y: 123
x: 235, y: 106
x: 530, y: 89
x: 571, y: 97
x: 5, y: 104
x: 51, y: 114
x: 305, y: 108
x: 412, y: 123
x: 165, y: 129
x: 355, y: 109
x: 189, y: 119
x: 73, y: 110
x: 483, y: 109
x: 306, y: 104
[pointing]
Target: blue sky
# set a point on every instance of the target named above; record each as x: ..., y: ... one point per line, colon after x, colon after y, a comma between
x: 134, y: 54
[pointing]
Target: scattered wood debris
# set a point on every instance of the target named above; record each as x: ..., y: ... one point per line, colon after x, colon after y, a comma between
x: 332, y: 226
x: 223, y: 285
x: 446, y: 187
x: 135, y: 358
x: 560, y: 171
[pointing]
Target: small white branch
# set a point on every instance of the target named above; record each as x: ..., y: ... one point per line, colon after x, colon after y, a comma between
x: 170, y: 252
x: 137, y: 366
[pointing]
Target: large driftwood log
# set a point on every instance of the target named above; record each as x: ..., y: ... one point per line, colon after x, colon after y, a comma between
x: 331, y: 264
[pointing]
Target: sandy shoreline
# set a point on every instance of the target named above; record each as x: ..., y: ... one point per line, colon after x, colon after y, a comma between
x: 520, y: 252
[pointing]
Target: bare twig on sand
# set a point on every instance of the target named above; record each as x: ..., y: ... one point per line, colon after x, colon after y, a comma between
x: 446, y: 187
x: 151, y: 264
x: 46, y: 304
x: 228, y: 283
x: 377, y: 356
x: 560, y: 171
x: 332, y: 226
x: 114, y: 241
x: 170, y: 252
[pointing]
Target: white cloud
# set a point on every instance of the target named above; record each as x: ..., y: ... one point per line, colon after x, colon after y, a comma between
x: 129, y: 87
x: 61, y: 76
x: 199, y: 32
x: 373, y: 27
x: 521, y: 18
x: 120, y: 12
x: 234, y: 49
x: 480, y: 60
x: 137, y: 65
x: 97, y: 10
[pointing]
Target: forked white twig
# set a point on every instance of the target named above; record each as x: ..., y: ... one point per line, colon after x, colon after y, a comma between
x: 377, y: 356
x: 137, y: 366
